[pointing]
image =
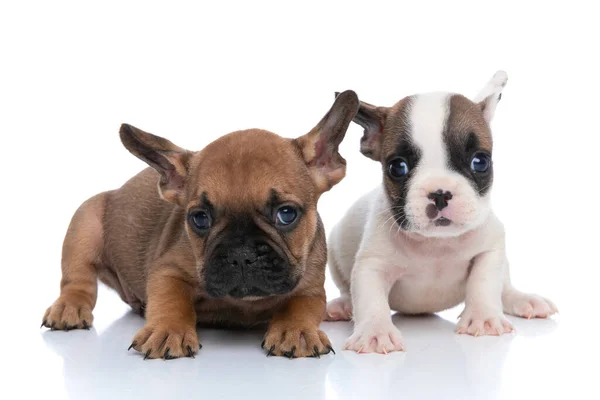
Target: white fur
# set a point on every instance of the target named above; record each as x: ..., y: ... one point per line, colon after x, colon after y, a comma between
x: 379, y: 268
x: 428, y: 114
x: 490, y: 94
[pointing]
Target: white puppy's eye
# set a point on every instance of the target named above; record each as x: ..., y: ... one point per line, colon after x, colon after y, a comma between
x: 398, y: 168
x: 480, y: 162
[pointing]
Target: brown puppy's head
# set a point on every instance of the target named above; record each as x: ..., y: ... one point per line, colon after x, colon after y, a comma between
x: 250, y: 199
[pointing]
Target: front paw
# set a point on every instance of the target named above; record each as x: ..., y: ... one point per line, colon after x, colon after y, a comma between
x: 529, y: 306
x: 166, y: 340
x: 68, y: 312
x: 339, y: 309
x: 284, y: 339
x: 375, y: 337
x: 483, y: 322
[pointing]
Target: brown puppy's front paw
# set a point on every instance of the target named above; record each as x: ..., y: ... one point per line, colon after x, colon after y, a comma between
x: 292, y: 342
x: 68, y: 312
x: 166, y: 341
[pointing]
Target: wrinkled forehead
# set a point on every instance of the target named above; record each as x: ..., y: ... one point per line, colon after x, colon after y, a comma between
x: 434, y: 124
x: 251, y: 170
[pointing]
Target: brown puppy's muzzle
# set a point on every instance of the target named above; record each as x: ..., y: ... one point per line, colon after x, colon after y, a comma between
x: 245, y: 264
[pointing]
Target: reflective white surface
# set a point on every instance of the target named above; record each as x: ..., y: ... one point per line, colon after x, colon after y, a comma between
x: 544, y: 359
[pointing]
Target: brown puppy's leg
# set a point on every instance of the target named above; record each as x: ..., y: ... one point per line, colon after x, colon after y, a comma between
x: 170, y: 329
x: 81, y: 253
x: 294, y: 330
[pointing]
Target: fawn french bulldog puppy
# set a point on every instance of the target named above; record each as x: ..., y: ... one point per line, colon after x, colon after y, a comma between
x: 426, y: 239
x: 229, y: 235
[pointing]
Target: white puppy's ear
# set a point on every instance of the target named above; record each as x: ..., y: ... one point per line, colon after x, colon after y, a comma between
x: 372, y: 119
x: 491, y: 94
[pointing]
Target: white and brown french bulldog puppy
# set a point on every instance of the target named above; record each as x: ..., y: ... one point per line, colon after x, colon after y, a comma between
x: 229, y: 235
x: 426, y: 239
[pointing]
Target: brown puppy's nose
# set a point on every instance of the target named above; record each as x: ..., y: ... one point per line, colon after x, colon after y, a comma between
x: 241, y: 256
x: 440, y: 198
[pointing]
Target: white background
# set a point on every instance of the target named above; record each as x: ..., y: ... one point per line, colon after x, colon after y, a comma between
x: 72, y: 72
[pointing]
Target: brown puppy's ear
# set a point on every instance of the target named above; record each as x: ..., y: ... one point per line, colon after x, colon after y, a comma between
x: 372, y: 119
x: 320, y: 146
x: 169, y: 160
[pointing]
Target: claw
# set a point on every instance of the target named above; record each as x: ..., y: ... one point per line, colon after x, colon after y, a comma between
x: 43, y: 324
x: 359, y: 350
x: 316, y: 352
x: 262, y: 345
x: 133, y: 344
x: 476, y: 333
x: 190, y: 352
x: 85, y: 325
x: 147, y: 354
x: 384, y: 351
x: 529, y: 316
x: 167, y: 356
x: 290, y: 354
x: 52, y: 328
x: 498, y: 331
x: 331, y: 348
x: 270, y: 352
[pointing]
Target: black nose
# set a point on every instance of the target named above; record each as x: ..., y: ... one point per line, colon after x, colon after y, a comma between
x: 241, y: 256
x: 440, y: 198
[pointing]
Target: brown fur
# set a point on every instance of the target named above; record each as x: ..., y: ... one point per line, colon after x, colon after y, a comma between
x: 136, y: 239
x: 385, y: 125
x: 466, y: 117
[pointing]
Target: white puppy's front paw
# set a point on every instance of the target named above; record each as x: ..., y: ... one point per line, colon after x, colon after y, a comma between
x: 528, y: 306
x: 339, y: 309
x: 375, y: 337
x: 483, y: 322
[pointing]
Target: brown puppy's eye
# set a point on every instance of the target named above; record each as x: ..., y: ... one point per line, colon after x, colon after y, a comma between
x: 199, y: 220
x: 286, y: 215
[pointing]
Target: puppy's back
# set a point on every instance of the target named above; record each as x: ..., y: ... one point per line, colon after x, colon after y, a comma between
x: 138, y: 227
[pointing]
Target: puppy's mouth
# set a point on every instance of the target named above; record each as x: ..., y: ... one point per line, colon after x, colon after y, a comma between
x: 442, y: 221
x: 246, y: 292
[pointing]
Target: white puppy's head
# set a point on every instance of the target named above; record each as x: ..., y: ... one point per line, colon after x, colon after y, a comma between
x: 436, y: 154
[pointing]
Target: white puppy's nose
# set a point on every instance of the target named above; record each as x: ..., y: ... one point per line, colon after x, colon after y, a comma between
x: 440, y: 198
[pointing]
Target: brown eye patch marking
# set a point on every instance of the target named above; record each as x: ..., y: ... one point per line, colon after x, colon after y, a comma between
x: 465, y: 133
x: 397, y: 142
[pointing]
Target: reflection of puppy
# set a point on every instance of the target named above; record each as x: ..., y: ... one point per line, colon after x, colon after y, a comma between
x: 230, y: 236
x: 426, y: 239
x: 85, y: 353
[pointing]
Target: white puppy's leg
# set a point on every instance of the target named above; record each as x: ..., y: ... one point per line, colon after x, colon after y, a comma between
x: 525, y: 305
x: 374, y: 332
x: 483, y: 304
x: 339, y: 309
